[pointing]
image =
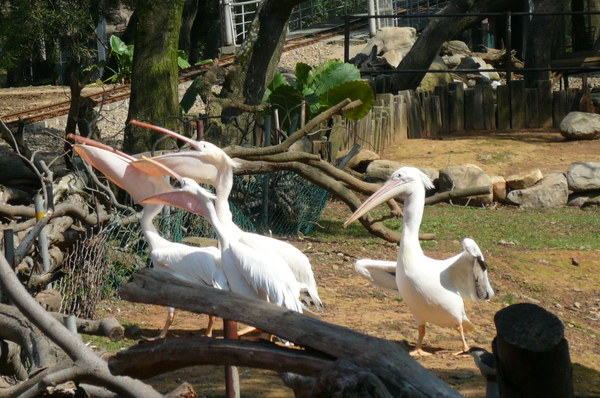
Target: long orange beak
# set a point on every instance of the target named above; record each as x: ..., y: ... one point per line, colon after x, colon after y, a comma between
x: 388, y: 191
x: 94, y: 143
x: 153, y: 167
x: 165, y: 131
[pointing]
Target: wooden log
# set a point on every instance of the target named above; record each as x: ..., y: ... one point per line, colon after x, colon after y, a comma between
x: 502, y: 108
x: 442, y: 93
x: 544, y: 88
x: 532, y: 355
x: 401, y: 375
x: 456, y: 108
x: 489, y: 109
x: 107, y: 327
x: 573, y: 99
x: 153, y: 358
x: 559, y: 107
x: 517, y: 104
x: 457, y: 193
x: 532, y: 119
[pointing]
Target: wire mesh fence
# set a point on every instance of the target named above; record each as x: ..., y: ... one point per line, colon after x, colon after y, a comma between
x: 281, y: 203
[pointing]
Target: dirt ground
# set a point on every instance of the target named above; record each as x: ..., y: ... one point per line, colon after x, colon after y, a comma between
x: 352, y: 302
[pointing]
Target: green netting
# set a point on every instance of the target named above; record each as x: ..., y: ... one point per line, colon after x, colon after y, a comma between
x: 281, y: 203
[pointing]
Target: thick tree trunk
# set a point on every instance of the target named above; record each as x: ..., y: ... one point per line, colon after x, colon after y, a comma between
x: 205, y: 41
x: 544, y: 34
x: 190, y: 10
x: 154, y: 77
x: 437, y: 32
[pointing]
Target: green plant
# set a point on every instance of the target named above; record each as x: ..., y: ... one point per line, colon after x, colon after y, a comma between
x: 320, y: 88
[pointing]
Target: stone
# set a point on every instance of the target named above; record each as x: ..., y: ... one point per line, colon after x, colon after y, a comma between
x: 524, y: 180
x: 393, y: 58
x: 457, y: 46
x: 580, y: 126
x: 304, y: 144
x: 435, y: 79
x: 550, y: 191
x: 584, y: 176
x: 381, y: 170
x: 392, y: 38
x: 452, y: 61
x: 498, y: 188
x: 361, y: 160
x: 466, y: 176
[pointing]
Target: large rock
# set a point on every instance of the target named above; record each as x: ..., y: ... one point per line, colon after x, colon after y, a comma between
x: 524, y: 180
x: 579, y: 199
x: 435, y: 79
x: 391, y: 39
x: 551, y: 191
x: 580, y: 126
x: 361, y: 160
x: 584, y: 176
x: 466, y: 176
x: 381, y: 170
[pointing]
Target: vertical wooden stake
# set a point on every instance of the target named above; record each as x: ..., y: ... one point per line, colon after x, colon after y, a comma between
x: 42, y: 238
x: 232, y: 376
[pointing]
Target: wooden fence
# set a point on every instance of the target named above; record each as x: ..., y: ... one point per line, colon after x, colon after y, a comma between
x: 452, y: 109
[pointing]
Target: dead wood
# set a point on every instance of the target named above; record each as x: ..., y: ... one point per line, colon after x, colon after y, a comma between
x: 401, y: 375
x: 152, y: 358
x: 108, y: 327
x: 457, y: 193
x: 86, y: 366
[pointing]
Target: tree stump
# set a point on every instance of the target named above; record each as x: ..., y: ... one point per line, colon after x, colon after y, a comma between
x: 531, y: 353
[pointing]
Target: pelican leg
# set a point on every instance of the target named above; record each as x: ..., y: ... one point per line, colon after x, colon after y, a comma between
x: 418, y: 351
x: 210, y: 326
x: 464, y: 342
x: 165, y: 329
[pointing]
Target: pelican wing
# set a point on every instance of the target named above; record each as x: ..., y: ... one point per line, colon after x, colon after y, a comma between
x: 194, y: 264
x: 381, y: 273
x: 467, y: 273
x: 267, y: 274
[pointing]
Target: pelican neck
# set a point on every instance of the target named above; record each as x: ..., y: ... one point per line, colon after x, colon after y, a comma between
x: 150, y: 233
x: 413, y: 215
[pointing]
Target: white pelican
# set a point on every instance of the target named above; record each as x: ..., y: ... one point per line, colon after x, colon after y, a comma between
x: 194, y: 264
x: 209, y: 157
x: 432, y: 289
x: 249, y: 272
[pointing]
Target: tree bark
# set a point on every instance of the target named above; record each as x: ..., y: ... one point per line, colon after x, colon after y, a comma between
x: 544, y: 34
x: 154, y: 80
x: 436, y: 33
x: 190, y: 10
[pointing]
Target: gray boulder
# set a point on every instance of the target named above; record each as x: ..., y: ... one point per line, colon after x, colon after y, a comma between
x: 466, y: 176
x: 578, y: 199
x: 381, y: 170
x: 584, y: 176
x: 580, y: 126
x: 525, y: 179
x: 551, y: 191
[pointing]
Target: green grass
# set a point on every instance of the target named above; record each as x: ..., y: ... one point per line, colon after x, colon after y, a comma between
x: 563, y: 228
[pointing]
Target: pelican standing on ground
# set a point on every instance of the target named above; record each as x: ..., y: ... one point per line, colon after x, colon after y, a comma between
x: 432, y: 289
x: 207, y: 154
x: 194, y: 264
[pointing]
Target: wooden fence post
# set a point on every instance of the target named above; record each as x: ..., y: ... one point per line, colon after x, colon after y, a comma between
x: 532, y: 355
x: 559, y: 107
x: 474, y: 108
x: 544, y: 88
x: 517, y: 104
x: 502, y: 108
x: 456, y: 109
x: 442, y: 93
x: 488, y: 109
x: 532, y: 119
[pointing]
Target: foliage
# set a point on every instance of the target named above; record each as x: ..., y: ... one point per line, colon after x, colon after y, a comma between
x: 34, y: 32
x: 320, y: 88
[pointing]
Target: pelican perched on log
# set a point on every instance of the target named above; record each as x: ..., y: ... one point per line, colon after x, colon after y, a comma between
x: 207, y: 155
x: 194, y: 264
x: 432, y: 289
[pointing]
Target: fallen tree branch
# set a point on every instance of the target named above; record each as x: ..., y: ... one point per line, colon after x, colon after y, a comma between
x: 87, y: 367
x: 401, y: 375
x: 457, y: 193
x: 108, y: 327
x: 153, y: 358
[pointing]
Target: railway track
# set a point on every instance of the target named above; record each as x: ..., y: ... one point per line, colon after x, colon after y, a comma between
x: 123, y: 92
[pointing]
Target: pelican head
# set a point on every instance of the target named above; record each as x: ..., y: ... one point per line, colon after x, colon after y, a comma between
x: 403, y: 182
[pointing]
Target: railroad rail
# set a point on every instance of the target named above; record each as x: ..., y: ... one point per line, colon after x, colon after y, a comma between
x: 123, y: 92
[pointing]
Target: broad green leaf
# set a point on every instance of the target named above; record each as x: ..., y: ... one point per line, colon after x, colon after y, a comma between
x: 302, y: 73
x: 118, y: 45
x: 181, y: 61
x: 278, y: 80
x: 286, y: 99
x: 331, y: 73
x: 355, y: 90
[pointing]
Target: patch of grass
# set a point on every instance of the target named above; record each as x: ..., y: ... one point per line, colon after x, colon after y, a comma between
x: 106, y: 344
x: 509, y: 299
